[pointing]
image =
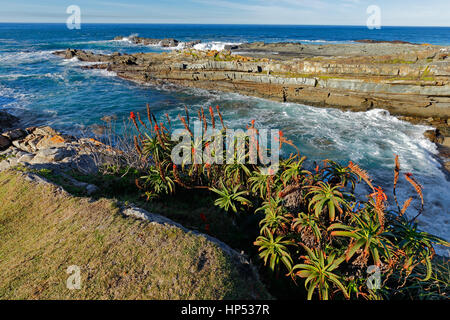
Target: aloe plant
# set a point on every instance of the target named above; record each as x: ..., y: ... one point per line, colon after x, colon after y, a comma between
x: 318, y: 270
x: 366, y: 233
x: 417, y: 245
x: 311, y: 223
x: 325, y: 195
x: 274, y: 250
x: 274, y: 216
x: 293, y: 170
x: 338, y: 174
x: 158, y: 184
x: 229, y: 198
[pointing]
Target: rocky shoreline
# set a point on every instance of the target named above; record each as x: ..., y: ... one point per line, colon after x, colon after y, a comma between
x: 164, y: 43
x: 411, y: 81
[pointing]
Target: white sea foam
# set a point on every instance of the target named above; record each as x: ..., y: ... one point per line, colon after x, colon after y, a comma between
x: 104, y: 72
x: 214, y: 45
x: 18, y: 100
x: 23, y: 57
x: 204, y: 46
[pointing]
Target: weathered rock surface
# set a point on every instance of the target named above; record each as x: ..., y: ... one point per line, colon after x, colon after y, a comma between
x: 44, y: 148
x: 408, y: 83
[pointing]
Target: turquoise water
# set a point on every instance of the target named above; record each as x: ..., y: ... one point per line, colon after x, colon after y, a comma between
x: 44, y: 89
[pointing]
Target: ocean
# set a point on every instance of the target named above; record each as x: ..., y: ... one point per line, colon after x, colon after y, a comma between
x: 45, y: 90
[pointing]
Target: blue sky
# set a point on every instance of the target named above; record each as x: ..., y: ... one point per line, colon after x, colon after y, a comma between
x: 321, y: 12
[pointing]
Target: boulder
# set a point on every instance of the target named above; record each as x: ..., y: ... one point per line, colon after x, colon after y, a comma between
x: 16, y: 134
x: 51, y: 141
x: 51, y: 155
x: 7, y: 120
x: 5, y: 143
x: 191, y: 44
x: 169, y: 43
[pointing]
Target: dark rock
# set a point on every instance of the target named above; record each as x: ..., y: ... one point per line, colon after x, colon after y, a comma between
x: 7, y: 120
x: 191, y: 44
x: 16, y: 134
x: 4, y: 143
x: 169, y: 43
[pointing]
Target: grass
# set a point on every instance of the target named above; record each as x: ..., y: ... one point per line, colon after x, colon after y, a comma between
x: 44, y: 231
x: 5, y: 157
x: 187, y: 208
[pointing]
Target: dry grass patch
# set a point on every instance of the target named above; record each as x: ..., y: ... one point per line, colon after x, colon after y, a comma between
x: 43, y: 231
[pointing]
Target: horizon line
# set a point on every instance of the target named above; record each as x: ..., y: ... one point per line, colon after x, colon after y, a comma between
x: 227, y: 24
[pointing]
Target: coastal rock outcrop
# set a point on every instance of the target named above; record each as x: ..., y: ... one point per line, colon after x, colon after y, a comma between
x: 412, y: 82
x: 164, y: 43
x: 43, y: 148
x: 408, y: 80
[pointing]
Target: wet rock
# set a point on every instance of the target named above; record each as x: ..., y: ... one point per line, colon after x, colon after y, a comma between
x: 169, y: 43
x: 434, y: 136
x: 191, y: 44
x: 7, y: 120
x: 5, y: 143
x: 383, y: 41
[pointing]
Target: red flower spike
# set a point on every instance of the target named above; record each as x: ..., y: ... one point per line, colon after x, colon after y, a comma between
x: 203, y: 217
x: 132, y: 116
